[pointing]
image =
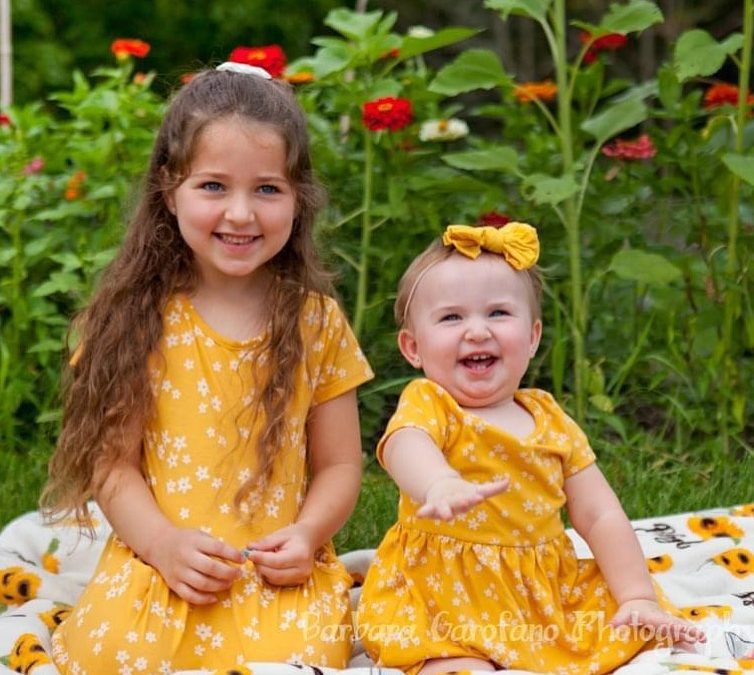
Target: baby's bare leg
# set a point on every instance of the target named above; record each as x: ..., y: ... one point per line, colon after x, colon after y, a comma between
x: 455, y: 664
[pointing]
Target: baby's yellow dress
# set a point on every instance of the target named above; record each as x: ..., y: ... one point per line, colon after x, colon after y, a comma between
x: 198, y: 450
x: 500, y: 582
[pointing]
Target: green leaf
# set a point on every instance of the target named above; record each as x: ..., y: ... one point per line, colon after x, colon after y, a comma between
x: 6, y: 255
x: 354, y: 25
x: 534, y: 9
x: 69, y: 261
x: 59, y: 282
x: 670, y: 89
x: 499, y: 158
x: 636, y: 16
x: 332, y: 59
x: 46, y: 346
x: 698, y: 54
x: 602, y: 403
x: 413, y: 46
x: 542, y: 189
x: 615, y: 119
x: 473, y: 69
x: 648, y: 268
x: 741, y: 165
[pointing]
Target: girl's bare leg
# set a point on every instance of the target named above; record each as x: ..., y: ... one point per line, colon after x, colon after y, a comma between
x: 455, y: 664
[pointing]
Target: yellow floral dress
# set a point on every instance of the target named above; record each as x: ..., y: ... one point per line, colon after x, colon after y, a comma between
x: 198, y: 449
x: 502, y: 581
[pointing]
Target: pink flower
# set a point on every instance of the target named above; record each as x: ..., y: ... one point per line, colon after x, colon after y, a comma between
x: 641, y: 148
x: 34, y: 166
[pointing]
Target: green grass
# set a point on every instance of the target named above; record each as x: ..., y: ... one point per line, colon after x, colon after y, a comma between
x: 648, y: 477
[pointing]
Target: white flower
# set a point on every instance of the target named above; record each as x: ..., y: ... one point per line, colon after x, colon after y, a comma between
x: 420, y: 32
x: 443, y: 130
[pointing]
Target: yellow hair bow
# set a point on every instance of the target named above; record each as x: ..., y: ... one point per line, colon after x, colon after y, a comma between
x: 516, y: 242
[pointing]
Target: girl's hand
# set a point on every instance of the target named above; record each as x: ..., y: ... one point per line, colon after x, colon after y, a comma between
x: 194, y: 565
x: 285, y: 557
x: 641, y: 612
x: 450, y: 495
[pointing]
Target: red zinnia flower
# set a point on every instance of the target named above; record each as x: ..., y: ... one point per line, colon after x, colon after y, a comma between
x: 187, y: 77
x: 271, y: 58
x: 641, y: 148
x: 387, y: 113
x: 393, y: 53
x: 5, y: 121
x: 722, y: 93
x: 123, y: 48
x: 493, y: 219
x: 606, y: 43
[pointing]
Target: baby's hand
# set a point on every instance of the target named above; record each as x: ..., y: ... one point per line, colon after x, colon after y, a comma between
x: 285, y: 557
x: 450, y: 495
x: 195, y: 565
x: 641, y: 612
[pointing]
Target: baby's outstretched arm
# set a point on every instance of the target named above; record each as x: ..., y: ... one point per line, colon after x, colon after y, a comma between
x: 599, y: 518
x: 421, y: 471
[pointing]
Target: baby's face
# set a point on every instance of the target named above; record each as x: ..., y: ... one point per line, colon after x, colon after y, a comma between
x: 471, y: 329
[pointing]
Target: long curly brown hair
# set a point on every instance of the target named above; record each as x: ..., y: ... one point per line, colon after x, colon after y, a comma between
x: 107, y: 392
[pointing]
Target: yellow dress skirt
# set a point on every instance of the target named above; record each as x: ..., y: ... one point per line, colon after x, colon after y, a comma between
x: 198, y: 450
x: 500, y: 582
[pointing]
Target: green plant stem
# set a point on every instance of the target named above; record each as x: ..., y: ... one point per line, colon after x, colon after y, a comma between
x: 366, y: 233
x: 570, y: 212
x: 731, y: 267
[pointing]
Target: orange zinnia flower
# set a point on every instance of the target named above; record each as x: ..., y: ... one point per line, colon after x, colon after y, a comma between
x: 302, y: 77
x: 123, y: 48
x: 529, y: 91
x: 271, y: 58
x: 721, y: 94
x: 387, y: 113
x: 73, y: 188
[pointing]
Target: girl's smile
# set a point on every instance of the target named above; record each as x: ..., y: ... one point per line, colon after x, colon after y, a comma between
x: 235, y: 208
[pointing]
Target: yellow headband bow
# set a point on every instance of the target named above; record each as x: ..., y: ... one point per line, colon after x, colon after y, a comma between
x: 516, y: 242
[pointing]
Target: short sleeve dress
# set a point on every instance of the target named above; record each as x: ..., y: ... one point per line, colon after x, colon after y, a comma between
x: 502, y: 581
x: 198, y: 450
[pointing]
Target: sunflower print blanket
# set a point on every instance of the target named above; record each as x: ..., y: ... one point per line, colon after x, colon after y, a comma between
x: 703, y: 561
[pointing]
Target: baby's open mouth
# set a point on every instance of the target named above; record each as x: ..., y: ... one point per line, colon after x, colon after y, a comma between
x: 478, y: 361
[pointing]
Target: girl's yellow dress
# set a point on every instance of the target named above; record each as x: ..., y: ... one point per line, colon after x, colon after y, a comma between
x: 198, y: 449
x: 500, y: 582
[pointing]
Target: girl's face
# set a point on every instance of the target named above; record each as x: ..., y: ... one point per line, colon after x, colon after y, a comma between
x: 235, y: 209
x: 471, y: 329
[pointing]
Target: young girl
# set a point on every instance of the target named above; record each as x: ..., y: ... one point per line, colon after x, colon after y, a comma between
x: 211, y: 409
x: 478, y: 573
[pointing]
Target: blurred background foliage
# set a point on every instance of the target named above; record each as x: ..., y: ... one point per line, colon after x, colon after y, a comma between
x: 52, y: 37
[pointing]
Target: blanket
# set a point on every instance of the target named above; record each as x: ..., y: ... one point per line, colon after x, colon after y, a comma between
x: 703, y: 561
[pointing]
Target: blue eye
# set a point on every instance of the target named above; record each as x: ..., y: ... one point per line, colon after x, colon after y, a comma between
x: 450, y: 317
x: 269, y: 189
x: 211, y: 186
x: 499, y: 312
